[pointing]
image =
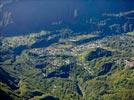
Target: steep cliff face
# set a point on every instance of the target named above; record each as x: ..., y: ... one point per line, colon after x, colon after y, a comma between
x: 7, y: 79
x: 5, y: 16
x: 7, y: 86
x: 25, y: 16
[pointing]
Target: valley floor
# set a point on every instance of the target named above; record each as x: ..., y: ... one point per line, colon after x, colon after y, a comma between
x: 45, y: 65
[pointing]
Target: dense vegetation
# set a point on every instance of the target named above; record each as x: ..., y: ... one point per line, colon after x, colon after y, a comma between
x: 87, y: 73
x: 69, y: 63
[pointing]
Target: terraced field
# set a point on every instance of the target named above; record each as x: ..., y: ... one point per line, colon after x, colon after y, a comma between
x: 75, y: 54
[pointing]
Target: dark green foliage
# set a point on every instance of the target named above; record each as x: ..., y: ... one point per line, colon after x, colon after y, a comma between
x: 5, y: 96
x: 95, y: 74
x: 99, y: 52
x: 7, y: 79
x: 105, y: 69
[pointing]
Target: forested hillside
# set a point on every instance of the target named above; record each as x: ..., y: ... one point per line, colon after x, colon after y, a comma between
x: 77, y: 54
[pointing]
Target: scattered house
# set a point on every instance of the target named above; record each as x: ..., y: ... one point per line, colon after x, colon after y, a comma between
x: 129, y: 63
x: 44, y: 74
